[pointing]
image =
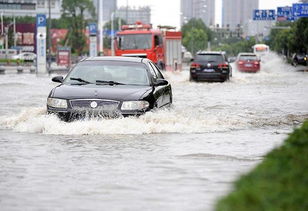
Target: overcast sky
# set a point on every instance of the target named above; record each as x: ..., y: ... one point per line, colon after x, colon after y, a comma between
x: 167, y: 12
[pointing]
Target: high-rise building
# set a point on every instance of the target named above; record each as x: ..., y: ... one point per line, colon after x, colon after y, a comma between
x: 30, y: 7
x: 203, y: 9
x: 237, y: 12
x: 109, y: 6
x: 132, y: 14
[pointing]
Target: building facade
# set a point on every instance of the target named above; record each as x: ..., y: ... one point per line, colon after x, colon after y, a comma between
x: 237, y: 12
x: 30, y: 7
x: 203, y: 9
x: 109, y: 6
x: 132, y: 14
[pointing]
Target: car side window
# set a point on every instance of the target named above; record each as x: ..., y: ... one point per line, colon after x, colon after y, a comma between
x: 152, y: 71
x: 157, y: 72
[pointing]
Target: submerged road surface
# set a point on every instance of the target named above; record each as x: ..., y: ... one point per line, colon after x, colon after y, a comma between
x: 183, y: 158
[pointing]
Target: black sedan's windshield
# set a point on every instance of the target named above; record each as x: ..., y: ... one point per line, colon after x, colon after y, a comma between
x: 108, y: 72
x: 135, y: 41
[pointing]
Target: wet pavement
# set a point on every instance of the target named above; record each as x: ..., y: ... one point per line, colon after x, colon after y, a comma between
x: 182, y: 158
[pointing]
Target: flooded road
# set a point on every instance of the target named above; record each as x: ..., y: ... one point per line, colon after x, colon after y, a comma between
x: 183, y: 158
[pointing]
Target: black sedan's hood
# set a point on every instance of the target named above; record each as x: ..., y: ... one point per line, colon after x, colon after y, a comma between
x: 92, y: 91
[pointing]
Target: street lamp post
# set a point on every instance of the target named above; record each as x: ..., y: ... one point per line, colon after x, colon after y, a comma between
x: 112, y: 33
x: 49, y: 34
x: 100, y: 26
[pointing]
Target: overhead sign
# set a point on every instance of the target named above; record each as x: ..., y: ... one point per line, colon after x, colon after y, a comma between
x: 285, y: 14
x: 300, y: 10
x: 264, y: 15
x: 92, y: 29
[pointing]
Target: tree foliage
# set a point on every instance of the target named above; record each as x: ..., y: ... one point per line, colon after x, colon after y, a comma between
x: 288, y: 41
x: 236, y: 47
x: 196, y: 35
x: 74, y: 12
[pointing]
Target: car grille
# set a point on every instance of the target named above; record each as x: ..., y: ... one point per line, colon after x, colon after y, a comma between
x: 101, y: 104
x: 82, y: 109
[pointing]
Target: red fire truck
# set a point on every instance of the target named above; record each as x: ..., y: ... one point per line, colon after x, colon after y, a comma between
x: 163, y: 46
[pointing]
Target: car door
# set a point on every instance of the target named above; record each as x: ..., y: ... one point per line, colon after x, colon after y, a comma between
x: 165, y: 90
x: 158, y: 91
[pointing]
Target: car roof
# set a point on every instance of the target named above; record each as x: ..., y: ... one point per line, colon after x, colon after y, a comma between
x: 116, y: 58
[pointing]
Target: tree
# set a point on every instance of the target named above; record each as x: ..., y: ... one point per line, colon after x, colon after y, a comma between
x: 300, y: 31
x: 293, y: 40
x: 195, y: 40
x: 196, y: 35
x: 236, y: 47
x: 74, y: 11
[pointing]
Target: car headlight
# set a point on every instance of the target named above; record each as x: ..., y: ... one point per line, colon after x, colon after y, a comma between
x: 56, y: 103
x: 134, y: 105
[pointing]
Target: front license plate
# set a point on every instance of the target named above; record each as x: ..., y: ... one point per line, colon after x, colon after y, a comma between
x: 209, y: 70
x: 248, y: 65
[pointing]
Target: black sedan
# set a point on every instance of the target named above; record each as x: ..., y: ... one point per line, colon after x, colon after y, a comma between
x: 109, y: 87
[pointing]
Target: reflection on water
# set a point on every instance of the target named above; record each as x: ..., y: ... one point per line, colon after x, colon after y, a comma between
x: 182, y: 158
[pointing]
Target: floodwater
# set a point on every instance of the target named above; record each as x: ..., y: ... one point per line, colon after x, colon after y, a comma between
x: 182, y: 158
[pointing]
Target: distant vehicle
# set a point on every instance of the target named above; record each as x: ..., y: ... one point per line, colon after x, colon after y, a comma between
x: 109, y: 87
x: 248, y: 62
x: 25, y: 56
x: 162, y: 46
x: 260, y: 50
x: 7, y: 54
x: 210, y: 66
x: 187, y: 57
x: 299, y: 59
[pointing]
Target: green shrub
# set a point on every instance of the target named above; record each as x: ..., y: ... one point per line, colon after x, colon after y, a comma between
x: 280, y: 182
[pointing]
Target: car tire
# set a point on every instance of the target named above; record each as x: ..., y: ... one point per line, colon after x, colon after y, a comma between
x: 190, y: 78
x: 294, y: 63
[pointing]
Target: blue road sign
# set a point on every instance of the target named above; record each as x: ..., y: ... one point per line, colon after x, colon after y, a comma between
x: 92, y: 28
x: 300, y: 10
x: 41, y: 20
x: 264, y: 15
x: 285, y: 14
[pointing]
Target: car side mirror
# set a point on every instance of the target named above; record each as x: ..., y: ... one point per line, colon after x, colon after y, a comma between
x: 58, y: 79
x: 160, y: 82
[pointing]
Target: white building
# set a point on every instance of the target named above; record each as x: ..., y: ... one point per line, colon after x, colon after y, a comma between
x: 237, y: 12
x: 109, y: 6
x: 30, y: 7
x: 133, y: 14
x: 260, y: 29
x: 203, y: 9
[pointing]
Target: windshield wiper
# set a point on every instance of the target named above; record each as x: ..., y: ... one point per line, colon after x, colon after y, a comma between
x: 109, y: 82
x: 80, y: 80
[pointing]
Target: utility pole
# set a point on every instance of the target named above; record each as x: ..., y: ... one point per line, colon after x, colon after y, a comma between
x: 112, y: 34
x: 14, y: 30
x: 49, y: 34
x: 6, y: 31
x: 2, y: 32
x: 100, y: 26
x: 126, y: 11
